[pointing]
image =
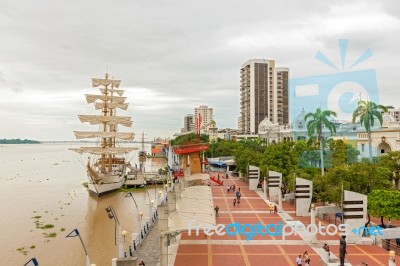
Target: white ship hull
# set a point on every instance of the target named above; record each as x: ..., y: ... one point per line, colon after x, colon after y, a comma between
x: 115, y: 183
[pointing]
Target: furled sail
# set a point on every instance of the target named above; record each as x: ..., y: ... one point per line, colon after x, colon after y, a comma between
x: 119, y: 92
x: 95, y: 134
x: 93, y: 97
x: 100, y: 105
x: 106, y: 151
x: 109, y: 120
x: 105, y: 82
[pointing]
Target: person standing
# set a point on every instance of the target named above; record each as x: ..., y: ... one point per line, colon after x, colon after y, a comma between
x: 298, y: 261
x: 216, y: 210
x: 228, y: 188
x: 238, y: 202
x: 234, y: 202
x: 306, y: 258
x: 342, y: 250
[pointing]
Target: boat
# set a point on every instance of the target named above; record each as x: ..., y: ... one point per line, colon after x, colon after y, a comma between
x: 107, y: 166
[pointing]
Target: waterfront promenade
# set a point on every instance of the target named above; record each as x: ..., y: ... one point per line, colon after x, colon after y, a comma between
x: 216, y: 250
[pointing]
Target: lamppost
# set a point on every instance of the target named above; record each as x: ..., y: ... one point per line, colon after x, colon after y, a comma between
x: 137, y: 211
x: 75, y: 233
x: 159, y: 198
x: 392, y: 258
x: 121, y: 234
x: 34, y: 261
x: 150, y: 204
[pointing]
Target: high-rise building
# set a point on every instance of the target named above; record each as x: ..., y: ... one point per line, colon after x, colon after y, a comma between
x: 203, y: 115
x: 188, y: 124
x: 263, y: 93
x: 282, y: 93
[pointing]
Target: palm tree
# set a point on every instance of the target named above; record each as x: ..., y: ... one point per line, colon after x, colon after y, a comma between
x: 318, y: 120
x: 367, y: 112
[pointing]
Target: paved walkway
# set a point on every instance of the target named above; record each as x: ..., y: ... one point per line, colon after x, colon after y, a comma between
x: 149, y: 251
x: 268, y: 250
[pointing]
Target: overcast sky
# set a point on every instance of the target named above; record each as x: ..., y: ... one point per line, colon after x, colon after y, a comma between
x: 173, y: 55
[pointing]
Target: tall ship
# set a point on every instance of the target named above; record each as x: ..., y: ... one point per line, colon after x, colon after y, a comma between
x: 107, y: 166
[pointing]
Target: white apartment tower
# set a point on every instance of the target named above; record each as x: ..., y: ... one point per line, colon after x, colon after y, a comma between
x: 203, y: 115
x: 263, y: 93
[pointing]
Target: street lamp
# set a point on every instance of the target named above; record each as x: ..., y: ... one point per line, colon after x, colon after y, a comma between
x: 112, y: 215
x: 137, y: 210
x: 75, y: 233
x: 34, y: 261
x: 392, y: 258
x: 160, y: 194
x: 150, y: 205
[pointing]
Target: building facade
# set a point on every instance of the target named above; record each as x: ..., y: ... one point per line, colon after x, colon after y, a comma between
x: 203, y: 117
x: 263, y: 93
x: 188, y: 124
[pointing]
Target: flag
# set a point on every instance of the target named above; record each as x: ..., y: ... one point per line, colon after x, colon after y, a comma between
x: 199, y: 121
x: 74, y: 233
x: 34, y: 261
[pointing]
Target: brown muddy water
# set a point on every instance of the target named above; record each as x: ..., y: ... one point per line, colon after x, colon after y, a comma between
x: 42, y: 183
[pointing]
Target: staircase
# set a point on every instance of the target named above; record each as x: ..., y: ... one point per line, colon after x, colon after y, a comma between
x: 219, y: 182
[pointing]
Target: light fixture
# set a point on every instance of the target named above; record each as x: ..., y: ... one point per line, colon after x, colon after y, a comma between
x: 152, y: 202
x: 313, y: 206
x: 392, y: 254
x: 141, y: 214
x: 160, y: 192
x: 383, y: 138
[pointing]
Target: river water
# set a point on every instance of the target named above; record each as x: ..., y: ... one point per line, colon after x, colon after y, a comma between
x: 45, y: 181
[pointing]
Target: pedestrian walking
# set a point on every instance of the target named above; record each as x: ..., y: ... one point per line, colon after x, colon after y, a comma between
x: 142, y: 263
x: 234, y: 202
x: 237, y: 194
x: 216, y: 210
x: 306, y: 258
x: 298, y: 261
x: 271, y: 208
x: 228, y: 188
x: 238, y: 202
x: 234, y: 187
x: 275, y: 209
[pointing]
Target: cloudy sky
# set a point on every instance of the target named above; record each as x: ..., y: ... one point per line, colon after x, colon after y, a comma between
x: 173, y: 55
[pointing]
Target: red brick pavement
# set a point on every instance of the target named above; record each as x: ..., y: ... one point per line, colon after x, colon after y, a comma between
x: 220, y: 251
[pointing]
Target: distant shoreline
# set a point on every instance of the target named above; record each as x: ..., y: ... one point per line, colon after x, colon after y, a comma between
x: 19, y: 141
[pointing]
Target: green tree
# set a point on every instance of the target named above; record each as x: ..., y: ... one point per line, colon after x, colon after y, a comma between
x: 368, y: 112
x: 317, y: 121
x: 391, y: 161
x: 384, y: 203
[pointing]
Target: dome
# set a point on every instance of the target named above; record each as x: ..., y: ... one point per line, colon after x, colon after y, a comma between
x: 300, y: 122
x: 265, y: 125
x: 388, y: 118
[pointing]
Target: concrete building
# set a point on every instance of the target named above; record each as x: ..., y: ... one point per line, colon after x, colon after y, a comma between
x: 263, y: 93
x: 395, y: 113
x: 188, y: 123
x: 203, y: 116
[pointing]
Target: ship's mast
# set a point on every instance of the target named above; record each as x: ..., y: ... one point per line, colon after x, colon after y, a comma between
x: 104, y: 145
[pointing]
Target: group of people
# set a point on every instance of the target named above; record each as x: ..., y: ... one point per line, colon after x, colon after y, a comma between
x: 231, y: 187
x: 273, y: 208
x: 306, y: 258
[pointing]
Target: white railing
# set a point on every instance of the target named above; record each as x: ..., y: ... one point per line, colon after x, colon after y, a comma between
x: 148, y: 224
